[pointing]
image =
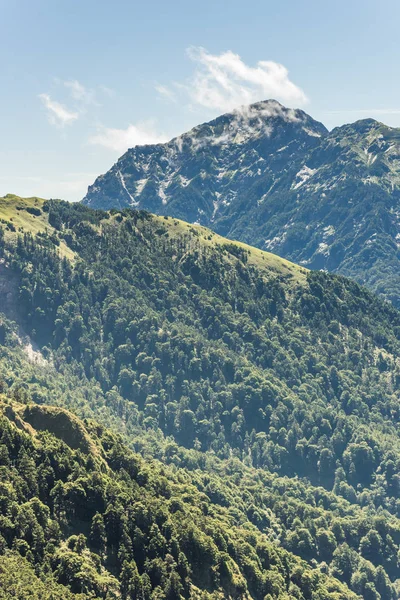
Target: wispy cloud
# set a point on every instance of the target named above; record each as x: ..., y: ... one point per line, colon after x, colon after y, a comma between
x: 79, y: 96
x: 219, y: 83
x: 223, y: 82
x: 107, y: 91
x: 166, y: 92
x: 120, y: 140
x: 79, y: 92
x: 58, y: 114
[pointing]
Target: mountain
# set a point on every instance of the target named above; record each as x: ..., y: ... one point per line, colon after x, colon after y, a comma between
x: 267, y: 393
x: 201, y: 175
x: 277, y: 179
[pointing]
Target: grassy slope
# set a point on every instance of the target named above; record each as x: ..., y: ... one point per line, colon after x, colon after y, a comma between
x: 13, y: 209
x: 256, y: 257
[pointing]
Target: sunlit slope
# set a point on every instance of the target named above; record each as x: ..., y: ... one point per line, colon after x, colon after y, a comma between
x: 30, y: 215
x: 254, y: 256
x: 26, y: 215
x: 93, y: 510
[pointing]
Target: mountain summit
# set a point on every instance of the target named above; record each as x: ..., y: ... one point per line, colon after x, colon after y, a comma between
x: 276, y: 178
x: 197, y: 175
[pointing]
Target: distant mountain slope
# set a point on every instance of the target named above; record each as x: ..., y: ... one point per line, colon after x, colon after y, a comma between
x: 277, y: 179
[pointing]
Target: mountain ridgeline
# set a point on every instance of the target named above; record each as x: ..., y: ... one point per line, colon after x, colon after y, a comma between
x: 277, y: 179
x: 260, y: 400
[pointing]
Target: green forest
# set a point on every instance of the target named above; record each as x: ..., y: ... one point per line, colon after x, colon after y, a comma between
x: 236, y: 430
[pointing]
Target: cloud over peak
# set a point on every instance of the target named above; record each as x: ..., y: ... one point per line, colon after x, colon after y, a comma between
x: 120, y: 140
x: 219, y: 83
x: 223, y: 82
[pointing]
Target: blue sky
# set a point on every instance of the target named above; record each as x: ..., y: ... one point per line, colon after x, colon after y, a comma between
x: 82, y: 80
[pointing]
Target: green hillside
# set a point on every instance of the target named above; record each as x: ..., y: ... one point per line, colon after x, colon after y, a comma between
x: 271, y: 390
x: 104, y: 523
x: 25, y: 215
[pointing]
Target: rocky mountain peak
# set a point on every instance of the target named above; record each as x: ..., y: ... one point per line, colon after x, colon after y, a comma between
x: 247, y: 124
x: 199, y: 173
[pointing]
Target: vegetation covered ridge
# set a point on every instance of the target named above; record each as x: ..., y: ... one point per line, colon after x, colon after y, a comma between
x: 276, y: 395
x: 72, y: 528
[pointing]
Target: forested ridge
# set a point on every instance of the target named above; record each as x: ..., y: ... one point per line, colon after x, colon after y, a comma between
x: 104, y: 523
x: 272, y: 391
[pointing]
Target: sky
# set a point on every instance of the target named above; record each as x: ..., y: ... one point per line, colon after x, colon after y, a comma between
x: 84, y: 80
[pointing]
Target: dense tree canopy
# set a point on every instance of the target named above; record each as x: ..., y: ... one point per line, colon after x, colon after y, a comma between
x: 105, y: 523
x: 272, y: 390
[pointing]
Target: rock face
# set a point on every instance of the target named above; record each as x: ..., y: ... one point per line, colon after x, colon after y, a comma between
x: 277, y: 179
x: 204, y: 174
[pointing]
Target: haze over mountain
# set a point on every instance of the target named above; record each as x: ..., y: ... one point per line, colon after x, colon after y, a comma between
x: 277, y: 179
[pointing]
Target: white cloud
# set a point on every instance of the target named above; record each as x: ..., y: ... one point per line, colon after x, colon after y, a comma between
x: 166, y: 92
x: 79, y: 92
x: 120, y: 140
x: 58, y: 114
x: 223, y: 82
x: 220, y: 83
x: 81, y: 97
